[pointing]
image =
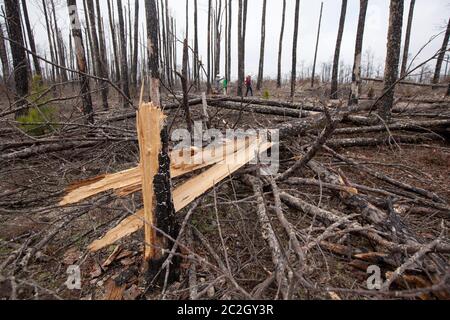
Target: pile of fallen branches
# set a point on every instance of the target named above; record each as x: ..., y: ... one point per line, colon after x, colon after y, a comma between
x: 323, y: 201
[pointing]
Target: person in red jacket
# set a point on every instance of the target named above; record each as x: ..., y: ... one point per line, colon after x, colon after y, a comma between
x: 248, y: 84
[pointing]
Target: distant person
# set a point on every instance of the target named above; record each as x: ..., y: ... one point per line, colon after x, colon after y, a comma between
x: 248, y: 85
x: 225, y: 87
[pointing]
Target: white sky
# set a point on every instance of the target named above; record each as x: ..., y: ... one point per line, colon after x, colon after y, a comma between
x: 430, y: 18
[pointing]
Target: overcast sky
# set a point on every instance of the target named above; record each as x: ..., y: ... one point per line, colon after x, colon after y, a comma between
x: 430, y: 18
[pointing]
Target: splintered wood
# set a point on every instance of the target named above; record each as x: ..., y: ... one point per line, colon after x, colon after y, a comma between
x: 224, y: 159
x: 149, y: 123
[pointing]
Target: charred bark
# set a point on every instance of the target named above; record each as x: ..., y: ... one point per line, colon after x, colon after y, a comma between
x: 18, y: 53
x: 337, y: 52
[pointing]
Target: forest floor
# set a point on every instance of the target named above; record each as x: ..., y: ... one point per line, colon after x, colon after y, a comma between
x: 39, y: 240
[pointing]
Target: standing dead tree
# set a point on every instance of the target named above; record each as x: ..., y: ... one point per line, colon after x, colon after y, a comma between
x: 113, y: 41
x: 160, y: 210
x: 356, y: 74
x: 55, y: 71
x: 134, y: 60
x: 81, y: 59
x: 18, y: 53
x: 124, y: 56
x: 280, y: 45
x: 58, y: 45
x: 262, y: 47
x: 337, y: 52
x: 196, y: 55
x: 4, y: 57
x: 392, y: 57
x: 230, y: 23
x: 37, y: 66
x: 101, y: 66
x: 313, y: 75
x: 441, y: 56
x: 294, y: 49
x: 208, y: 85
x: 407, y: 38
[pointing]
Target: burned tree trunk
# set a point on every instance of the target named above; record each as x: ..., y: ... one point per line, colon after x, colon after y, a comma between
x: 218, y: 38
x: 185, y: 86
x: 407, y: 39
x: 208, y: 85
x: 114, y: 42
x: 356, y: 74
x: 123, y: 58
x: 196, y: 56
x: 392, y: 58
x: 55, y: 71
x: 242, y: 16
x: 337, y: 52
x: 161, y: 212
x: 102, y: 39
x: 440, y: 58
x: 134, y: 62
x: 59, y: 48
x: 81, y: 59
x: 4, y: 57
x: 280, y: 45
x: 230, y: 20
x: 101, y: 67
x: 18, y: 54
x: 37, y: 66
x: 262, y: 48
x: 313, y: 75
x: 294, y: 49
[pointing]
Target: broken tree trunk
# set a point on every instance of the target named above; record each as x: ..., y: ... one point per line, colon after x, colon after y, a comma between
x: 159, y: 210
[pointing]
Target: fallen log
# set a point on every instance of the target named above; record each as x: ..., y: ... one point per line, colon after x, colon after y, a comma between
x: 366, y: 142
x: 408, y: 83
x: 273, y: 103
x: 434, y: 125
x: 253, y: 108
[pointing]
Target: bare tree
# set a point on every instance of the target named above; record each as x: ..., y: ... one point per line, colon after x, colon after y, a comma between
x: 208, y: 85
x: 230, y: 23
x: 59, y: 47
x: 81, y: 59
x: 440, y: 58
x: 196, y: 55
x: 280, y: 45
x: 37, y: 66
x: 337, y: 52
x: 18, y: 53
x: 101, y: 67
x: 262, y: 47
x: 113, y: 40
x: 4, y: 57
x: 356, y: 74
x: 392, y: 58
x: 313, y: 75
x: 123, y: 58
x: 407, y: 38
x: 134, y: 60
x: 294, y: 49
x: 55, y: 71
